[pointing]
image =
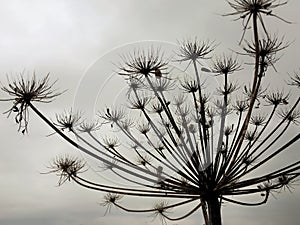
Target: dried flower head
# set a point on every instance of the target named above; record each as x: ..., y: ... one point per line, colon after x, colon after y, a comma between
x: 134, y: 84
x: 250, y: 135
x: 227, y: 89
x: 287, y: 182
x: 268, y: 49
x: 23, y: 91
x: 225, y: 65
x: 189, y: 86
x: 89, y: 127
x: 157, y: 107
x: 277, y: 98
x: 144, y: 128
x: 163, y: 84
x: 109, y: 200
x: 246, y: 9
x: 258, y: 120
x: 193, y: 50
x: 144, y: 160
x: 66, y: 167
x: 139, y: 102
x: 183, y: 112
x: 295, y: 80
x: 111, y: 142
x: 179, y: 100
x: 113, y: 115
x: 240, y: 106
x: 68, y: 120
x: 290, y: 116
x: 247, y: 91
x: 143, y: 64
x: 161, y: 210
x: 126, y: 124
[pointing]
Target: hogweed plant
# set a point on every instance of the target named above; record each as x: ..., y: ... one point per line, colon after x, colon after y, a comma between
x: 185, y: 147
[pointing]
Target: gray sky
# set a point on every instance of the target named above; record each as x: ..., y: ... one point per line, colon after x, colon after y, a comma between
x: 65, y: 38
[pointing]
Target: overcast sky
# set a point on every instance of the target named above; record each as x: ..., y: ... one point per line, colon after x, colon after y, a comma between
x: 66, y: 38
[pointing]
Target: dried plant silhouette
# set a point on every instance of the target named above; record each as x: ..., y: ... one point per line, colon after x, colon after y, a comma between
x: 194, y: 149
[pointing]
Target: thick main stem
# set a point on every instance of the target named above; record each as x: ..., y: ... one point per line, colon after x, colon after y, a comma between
x: 214, y: 210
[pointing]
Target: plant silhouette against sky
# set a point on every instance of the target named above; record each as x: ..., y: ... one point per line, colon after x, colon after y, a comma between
x: 178, y: 141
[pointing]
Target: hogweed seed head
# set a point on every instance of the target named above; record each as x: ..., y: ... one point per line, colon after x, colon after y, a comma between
x: 24, y: 91
x: 66, y: 167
